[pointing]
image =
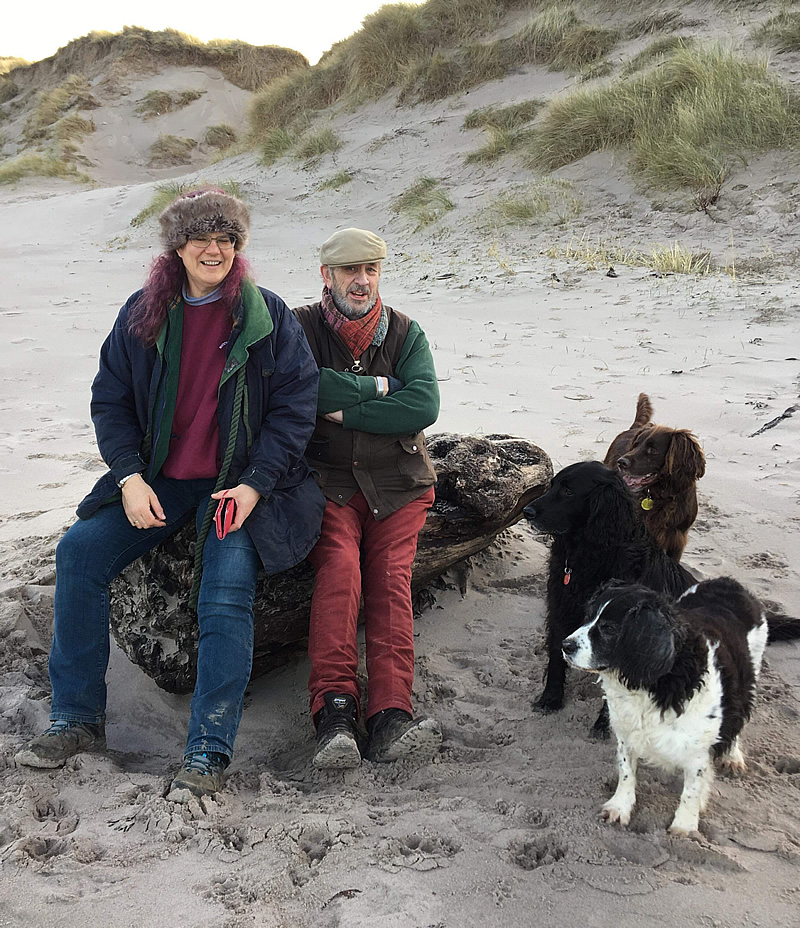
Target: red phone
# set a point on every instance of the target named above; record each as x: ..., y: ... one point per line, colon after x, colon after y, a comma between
x: 224, y: 516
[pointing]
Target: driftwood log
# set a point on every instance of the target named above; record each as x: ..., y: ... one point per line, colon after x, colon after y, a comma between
x: 483, y: 485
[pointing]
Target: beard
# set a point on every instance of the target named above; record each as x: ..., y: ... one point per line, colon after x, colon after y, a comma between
x: 340, y: 301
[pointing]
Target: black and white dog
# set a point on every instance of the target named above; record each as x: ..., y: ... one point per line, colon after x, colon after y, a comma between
x: 598, y: 535
x: 679, y: 679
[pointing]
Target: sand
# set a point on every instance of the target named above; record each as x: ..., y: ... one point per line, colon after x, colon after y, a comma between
x: 502, y: 829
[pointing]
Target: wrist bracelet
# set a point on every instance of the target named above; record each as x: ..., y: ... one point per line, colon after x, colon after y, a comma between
x: 378, y: 387
x: 121, y: 483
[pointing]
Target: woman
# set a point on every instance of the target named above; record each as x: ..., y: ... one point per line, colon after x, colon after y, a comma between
x: 207, y: 389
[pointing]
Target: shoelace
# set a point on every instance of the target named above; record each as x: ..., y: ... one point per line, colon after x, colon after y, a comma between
x: 61, y: 725
x: 202, y: 763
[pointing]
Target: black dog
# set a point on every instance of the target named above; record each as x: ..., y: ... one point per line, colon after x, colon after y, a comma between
x: 598, y: 535
x: 679, y: 680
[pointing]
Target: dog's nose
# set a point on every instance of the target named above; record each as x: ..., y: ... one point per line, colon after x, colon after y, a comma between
x: 623, y: 463
x: 530, y: 511
x: 569, y: 646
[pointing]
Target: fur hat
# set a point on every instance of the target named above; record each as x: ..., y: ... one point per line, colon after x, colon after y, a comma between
x: 352, y: 246
x: 198, y: 212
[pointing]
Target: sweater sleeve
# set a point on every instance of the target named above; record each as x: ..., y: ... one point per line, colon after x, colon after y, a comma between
x: 117, y: 426
x: 342, y: 390
x: 412, y: 408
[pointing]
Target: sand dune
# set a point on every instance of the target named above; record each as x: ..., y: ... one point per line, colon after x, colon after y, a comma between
x: 503, y: 829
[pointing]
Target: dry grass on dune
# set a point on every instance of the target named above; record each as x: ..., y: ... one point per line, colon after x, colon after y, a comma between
x: 157, y: 102
x: 687, y: 122
x: 33, y: 164
x: 429, y: 52
x: 247, y: 66
x: 781, y: 32
x: 424, y: 202
x: 171, y: 150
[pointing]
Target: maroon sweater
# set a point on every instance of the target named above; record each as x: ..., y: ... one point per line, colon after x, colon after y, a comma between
x: 194, y: 442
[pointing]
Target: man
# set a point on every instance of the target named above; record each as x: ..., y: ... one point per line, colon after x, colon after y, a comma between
x: 377, y: 392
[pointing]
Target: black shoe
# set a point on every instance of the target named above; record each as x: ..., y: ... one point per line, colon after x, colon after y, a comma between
x: 395, y: 735
x: 337, y: 734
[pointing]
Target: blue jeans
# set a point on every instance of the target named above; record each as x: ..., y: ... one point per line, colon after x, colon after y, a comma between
x: 93, y: 552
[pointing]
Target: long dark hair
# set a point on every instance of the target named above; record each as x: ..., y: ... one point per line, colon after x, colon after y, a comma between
x: 164, y: 282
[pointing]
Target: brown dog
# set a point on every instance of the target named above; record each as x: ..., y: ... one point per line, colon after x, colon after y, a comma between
x: 661, y: 466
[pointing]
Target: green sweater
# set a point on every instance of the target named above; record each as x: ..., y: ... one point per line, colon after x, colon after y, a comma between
x: 406, y: 412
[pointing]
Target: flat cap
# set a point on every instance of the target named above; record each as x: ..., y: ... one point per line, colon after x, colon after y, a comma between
x: 352, y: 246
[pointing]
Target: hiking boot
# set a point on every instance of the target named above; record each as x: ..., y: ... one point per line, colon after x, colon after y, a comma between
x: 202, y: 774
x: 61, y: 741
x: 337, y: 734
x: 395, y: 735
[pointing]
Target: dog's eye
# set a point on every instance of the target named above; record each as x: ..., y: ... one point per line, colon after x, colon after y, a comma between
x: 565, y: 491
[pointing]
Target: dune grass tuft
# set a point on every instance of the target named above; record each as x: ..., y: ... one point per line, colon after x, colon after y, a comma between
x: 158, y: 102
x: 558, y: 38
x: 32, y: 164
x: 316, y: 143
x: 655, y: 21
x: 507, y: 129
x: 513, y: 116
x: 661, y: 259
x: 166, y: 192
x: 781, y: 32
x: 655, y: 51
x: 220, y: 136
x: 52, y: 104
x: 336, y: 181
x: 425, y: 201
x: 549, y: 198
x: 171, y: 150
x: 9, y: 62
x: 686, y: 122
x: 275, y: 144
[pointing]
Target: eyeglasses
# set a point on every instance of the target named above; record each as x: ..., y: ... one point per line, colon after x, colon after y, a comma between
x: 224, y: 242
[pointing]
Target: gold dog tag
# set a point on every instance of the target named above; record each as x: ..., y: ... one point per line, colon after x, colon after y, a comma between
x: 647, y: 503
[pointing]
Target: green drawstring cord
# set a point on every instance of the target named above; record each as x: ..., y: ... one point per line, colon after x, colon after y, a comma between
x: 213, y: 503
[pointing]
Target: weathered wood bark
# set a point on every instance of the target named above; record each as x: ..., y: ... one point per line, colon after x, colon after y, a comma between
x: 484, y: 483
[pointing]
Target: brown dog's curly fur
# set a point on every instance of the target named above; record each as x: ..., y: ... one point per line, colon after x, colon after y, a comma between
x: 663, y: 464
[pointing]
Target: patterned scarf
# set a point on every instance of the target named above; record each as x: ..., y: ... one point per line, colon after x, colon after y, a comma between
x: 357, y: 334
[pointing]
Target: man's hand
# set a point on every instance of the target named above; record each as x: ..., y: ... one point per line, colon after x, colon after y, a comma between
x: 141, y: 504
x: 337, y: 416
x: 246, y: 498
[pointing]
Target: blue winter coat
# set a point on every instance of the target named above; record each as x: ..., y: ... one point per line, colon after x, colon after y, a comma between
x: 129, y: 405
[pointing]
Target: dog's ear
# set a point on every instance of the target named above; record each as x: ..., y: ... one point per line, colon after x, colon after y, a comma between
x: 685, y: 458
x: 611, y: 514
x: 646, y: 645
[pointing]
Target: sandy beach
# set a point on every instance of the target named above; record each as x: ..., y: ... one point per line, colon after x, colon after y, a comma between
x: 503, y: 828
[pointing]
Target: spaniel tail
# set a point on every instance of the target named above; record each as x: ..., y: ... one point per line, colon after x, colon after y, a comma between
x: 781, y: 627
x: 644, y: 411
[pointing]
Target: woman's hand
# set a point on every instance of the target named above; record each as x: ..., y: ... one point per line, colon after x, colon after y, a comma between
x: 141, y: 504
x: 246, y: 498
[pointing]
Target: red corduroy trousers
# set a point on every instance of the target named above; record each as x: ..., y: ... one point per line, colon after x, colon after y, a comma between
x: 358, y: 555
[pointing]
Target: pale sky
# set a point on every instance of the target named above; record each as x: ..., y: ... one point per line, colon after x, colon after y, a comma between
x: 38, y: 30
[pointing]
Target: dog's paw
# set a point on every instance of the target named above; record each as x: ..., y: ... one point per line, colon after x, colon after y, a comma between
x: 731, y: 766
x: 600, y: 732
x: 549, y: 702
x: 611, y: 812
x: 693, y: 833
